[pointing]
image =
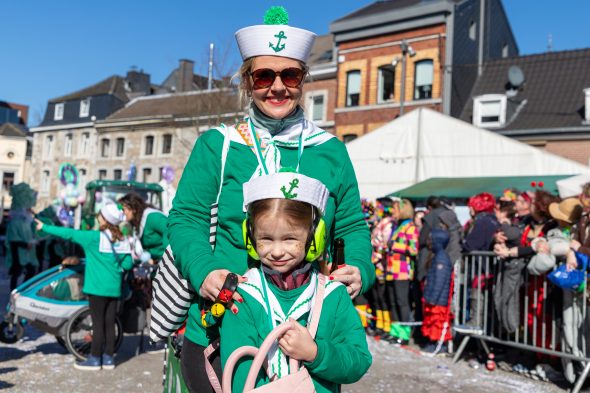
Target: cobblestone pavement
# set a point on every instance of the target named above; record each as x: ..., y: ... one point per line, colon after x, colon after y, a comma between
x: 38, y: 363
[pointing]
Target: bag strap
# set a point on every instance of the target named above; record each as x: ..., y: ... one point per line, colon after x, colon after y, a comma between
x: 215, y: 206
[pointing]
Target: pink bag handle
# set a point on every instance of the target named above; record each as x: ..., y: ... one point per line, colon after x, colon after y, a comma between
x: 274, y: 335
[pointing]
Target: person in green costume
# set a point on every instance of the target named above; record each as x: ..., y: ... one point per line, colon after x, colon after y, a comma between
x: 274, y: 134
x: 20, y: 236
x: 150, y: 230
x: 285, y: 232
x: 108, y: 254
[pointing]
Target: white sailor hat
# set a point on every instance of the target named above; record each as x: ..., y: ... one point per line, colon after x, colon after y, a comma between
x: 275, y: 38
x: 287, y: 185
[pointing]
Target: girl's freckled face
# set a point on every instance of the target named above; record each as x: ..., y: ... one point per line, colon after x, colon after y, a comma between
x: 279, y: 243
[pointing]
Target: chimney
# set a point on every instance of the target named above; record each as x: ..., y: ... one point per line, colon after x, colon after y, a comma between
x: 138, y: 81
x: 184, y: 79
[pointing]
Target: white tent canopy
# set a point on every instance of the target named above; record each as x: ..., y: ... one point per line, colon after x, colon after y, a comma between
x: 572, y: 186
x: 385, y: 159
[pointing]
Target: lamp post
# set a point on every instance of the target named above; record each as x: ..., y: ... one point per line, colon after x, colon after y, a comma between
x: 406, y: 50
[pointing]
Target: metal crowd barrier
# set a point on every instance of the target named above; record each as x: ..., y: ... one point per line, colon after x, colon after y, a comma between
x: 535, y: 321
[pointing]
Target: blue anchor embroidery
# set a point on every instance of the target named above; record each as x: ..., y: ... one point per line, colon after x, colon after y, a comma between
x: 289, y: 194
x: 278, y: 47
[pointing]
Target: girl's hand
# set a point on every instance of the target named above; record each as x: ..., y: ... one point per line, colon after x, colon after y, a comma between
x: 213, y: 284
x: 575, y: 245
x: 349, y: 276
x: 38, y: 224
x: 298, y: 344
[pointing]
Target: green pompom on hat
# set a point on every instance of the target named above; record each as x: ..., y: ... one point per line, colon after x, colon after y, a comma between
x: 275, y: 38
x: 276, y: 15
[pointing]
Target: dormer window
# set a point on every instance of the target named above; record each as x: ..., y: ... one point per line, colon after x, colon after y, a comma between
x: 58, y: 112
x: 587, y: 104
x: 489, y: 111
x: 85, y: 107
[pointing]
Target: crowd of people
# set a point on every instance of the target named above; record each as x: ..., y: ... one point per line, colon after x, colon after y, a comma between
x: 414, y: 250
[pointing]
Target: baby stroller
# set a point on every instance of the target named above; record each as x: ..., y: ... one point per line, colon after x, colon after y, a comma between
x: 53, y: 302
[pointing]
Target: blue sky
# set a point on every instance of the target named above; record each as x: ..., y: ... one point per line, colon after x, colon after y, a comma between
x: 51, y: 48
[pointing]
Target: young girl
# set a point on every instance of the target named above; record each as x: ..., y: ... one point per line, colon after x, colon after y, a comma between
x: 285, y: 232
x: 107, y: 255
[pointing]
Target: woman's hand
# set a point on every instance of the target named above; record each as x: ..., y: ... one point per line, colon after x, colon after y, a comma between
x: 298, y: 344
x: 69, y: 261
x: 349, y: 276
x: 38, y: 224
x: 214, y: 282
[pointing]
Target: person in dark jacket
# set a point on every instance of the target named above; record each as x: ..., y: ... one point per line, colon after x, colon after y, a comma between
x: 438, y: 289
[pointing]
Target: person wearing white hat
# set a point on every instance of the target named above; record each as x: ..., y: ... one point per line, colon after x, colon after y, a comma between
x: 108, y: 254
x: 274, y: 134
x: 285, y: 232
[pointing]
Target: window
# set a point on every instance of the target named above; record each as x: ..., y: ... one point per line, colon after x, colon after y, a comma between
x: 149, y: 145
x: 120, y: 147
x: 587, y: 105
x: 423, y: 80
x: 83, y: 178
x: 48, y: 151
x: 105, y: 145
x: 118, y: 174
x: 349, y: 137
x: 84, y: 144
x: 45, y: 182
x: 353, y: 88
x: 166, y: 144
x: 472, y: 30
x: 68, y: 146
x: 316, y: 105
x: 385, y: 88
x: 489, y: 110
x: 84, y: 107
x: 7, y: 181
x: 58, y: 111
x: 161, y: 173
x: 146, y: 175
x: 102, y: 174
x: 505, y: 52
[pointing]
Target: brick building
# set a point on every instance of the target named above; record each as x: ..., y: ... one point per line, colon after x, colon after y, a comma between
x: 438, y: 46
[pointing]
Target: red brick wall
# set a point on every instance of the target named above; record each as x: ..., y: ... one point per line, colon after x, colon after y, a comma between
x: 576, y: 150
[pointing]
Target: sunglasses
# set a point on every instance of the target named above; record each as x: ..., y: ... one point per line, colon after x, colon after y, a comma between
x: 264, y: 77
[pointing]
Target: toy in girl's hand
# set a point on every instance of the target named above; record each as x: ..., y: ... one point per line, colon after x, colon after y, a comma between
x: 222, y: 301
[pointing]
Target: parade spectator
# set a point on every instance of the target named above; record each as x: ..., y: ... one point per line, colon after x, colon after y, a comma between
x: 283, y: 287
x: 274, y: 135
x: 108, y: 254
x: 581, y: 241
x: 484, y: 224
x: 438, y: 289
x: 399, y: 272
x: 388, y: 210
x: 20, y: 236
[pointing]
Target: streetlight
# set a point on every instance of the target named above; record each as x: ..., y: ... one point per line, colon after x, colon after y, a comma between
x: 406, y: 50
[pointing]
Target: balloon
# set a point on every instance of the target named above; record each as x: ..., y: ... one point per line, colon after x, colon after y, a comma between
x: 168, y: 173
x: 81, y: 199
x: 71, y: 201
x: 145, y: 257
x: 63, y: 194
x: 63, y: 215
x: 68, y: 174
x: 98, y: 196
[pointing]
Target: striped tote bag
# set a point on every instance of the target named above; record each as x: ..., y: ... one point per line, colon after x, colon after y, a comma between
x: 172, y: 295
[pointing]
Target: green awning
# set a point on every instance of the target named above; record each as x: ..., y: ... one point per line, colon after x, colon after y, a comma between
x: 465, y: 187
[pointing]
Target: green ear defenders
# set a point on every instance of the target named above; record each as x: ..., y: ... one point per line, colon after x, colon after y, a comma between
x: 315, y: 245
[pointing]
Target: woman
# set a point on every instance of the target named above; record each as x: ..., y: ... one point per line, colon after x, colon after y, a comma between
x: 150, y: 230
x: 275, y: 134
x: 399, y: 273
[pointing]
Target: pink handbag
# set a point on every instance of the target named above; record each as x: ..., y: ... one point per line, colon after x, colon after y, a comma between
x: 299, y: 380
